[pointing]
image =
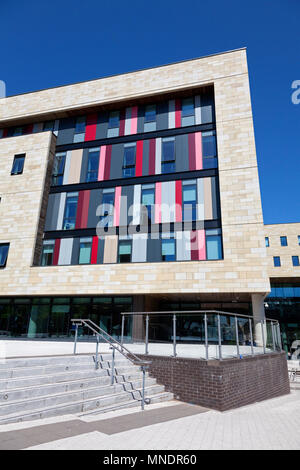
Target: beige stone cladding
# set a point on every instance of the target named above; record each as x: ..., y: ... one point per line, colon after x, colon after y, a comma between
x: 292, y: 232
x: 244, y: 268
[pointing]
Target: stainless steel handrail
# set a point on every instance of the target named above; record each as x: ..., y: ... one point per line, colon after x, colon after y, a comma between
x: 115, y: 347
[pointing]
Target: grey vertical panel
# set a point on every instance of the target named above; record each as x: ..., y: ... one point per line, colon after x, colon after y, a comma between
x: 95, y: 201
x: 162, y: 112
x: 66, y: 131
x: 84, y: 165
x: 117, y: 155
x: 100, y: 251
x: 65, y: 251
x: 141, y: 119
x: 102, y: 125
x: 182, y: 153
x: 214, y: 198
x: 153, y: 249
x: 75, y: 251
x: 145, y: 169
x: 52, y: 212
x: 126, y: 203
x: 158, y: 145
x: 139, y: 248
x: 207, y: 108
x: 183, y: 248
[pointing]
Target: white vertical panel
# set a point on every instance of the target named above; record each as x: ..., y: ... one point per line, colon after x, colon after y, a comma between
x: 137, y: 204
x: 127, y: 121
x: 183, y: 246
x: 158, y: 156
x: 65, y: 251
x: 67, y: 167
x: 171, y: 114
x: 198, y: 119
x: 139, y: 248
x: 200, y: 196
x: 61, y: 211
x: 168, y: 201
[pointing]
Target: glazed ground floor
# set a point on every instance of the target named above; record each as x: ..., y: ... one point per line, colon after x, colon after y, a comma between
x: 50, y: 317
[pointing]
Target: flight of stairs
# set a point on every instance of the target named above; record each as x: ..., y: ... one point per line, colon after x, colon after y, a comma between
x: 43, y: 387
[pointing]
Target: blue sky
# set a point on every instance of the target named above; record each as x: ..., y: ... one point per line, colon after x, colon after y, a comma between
x: 51, y: 43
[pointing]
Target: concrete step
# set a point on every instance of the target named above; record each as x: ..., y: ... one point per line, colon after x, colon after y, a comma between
x: 101, y: 403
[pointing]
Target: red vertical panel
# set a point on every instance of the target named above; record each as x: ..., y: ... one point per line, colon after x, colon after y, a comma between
x: 5, y: 131
x: 194, y: 245
x: 28, y: 129
x: 107, y: 163
x: 79, y: 209
x: 178, y: 201
x: 122, y: 122
x: 94, y: 250
x: 91, y: 126
x: 85, y: 209
x: 56, y: 251
x: 177, y: 113
x: 139, y: 158
x: 152, y: 157
x: 192, y: 152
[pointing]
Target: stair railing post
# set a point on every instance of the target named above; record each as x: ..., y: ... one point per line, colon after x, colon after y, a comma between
x: 206, y: 336
x: 263, y: 336
x: 251, y: 336
x: 273, y: 336
x: 97, y: 348
x: 143, y: 388
x: 147, y: 334
x: 75, y: 338
x: 237, y: 337
x: 219, y: 337
x: 122, y: 331
x: 113, y: 366
x: 174, y: 335
x: 279, y: 336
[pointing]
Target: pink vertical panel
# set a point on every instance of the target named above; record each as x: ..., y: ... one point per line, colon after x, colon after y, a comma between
x: 117, y: 206
x: 194, y: 245
x: 107, y: 162
x: 201, y: 245
x: 85, y: 209
x: 178, y: 201
x: 198, y: 151
x: 139, y: 158
x: 91, y: 126
x: 56, y: 252
x: 157, y: 203
x: 134, y: 118
x: 177, y: 113
x: 94, y: 250
x: 79, y: 209
x: 102, y: 163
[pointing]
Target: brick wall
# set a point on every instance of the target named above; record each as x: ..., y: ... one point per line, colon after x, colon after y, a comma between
x: 222, y: 385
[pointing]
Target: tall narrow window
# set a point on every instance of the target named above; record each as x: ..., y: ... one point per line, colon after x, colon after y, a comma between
x: 267, y: 241
x: 70, y: 211
x: 168, y: 155
x: 189, y: 200
x: 129, y: 160
x: 18, y: 164
x: 298, y: 239
x: 107, y: 208
x: 187, y: 112
x: 93, y: 165
x: 283, y: 241
x: 113, y: 124
x: 47, y: 253
x: 48, y: 126
x: 209, y: 150
x: 148, y: 199
x: 213, y: 244
x: 79, y: 129
x: 124, y: 251
x: 168, y: 247
x: 295, y: 260
x: 150, y: 118
x: 85, y: 250
x: 4, y: 247
x: 276, y: 261
x: 58, y: 169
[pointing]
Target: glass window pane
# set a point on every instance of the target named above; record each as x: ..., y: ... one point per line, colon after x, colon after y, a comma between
x: 150, y: 113
x: 168, y: 150
x: 276, y: 260
x: 209, y: 147
x: 85, y: 252
x: 168, y: 250
x: 70, y: 212
x: 189, y: 193
x: 47, y: 254
x: 187, y: 107
x: 214, y: 247
x: 3, y: 254
x: 129, y: 156
x: 80, y: 125
x: 18, y: 165
x: 113, y: 119
x: 168, y: 167
x: 283, y: 241
x: 148, y: 196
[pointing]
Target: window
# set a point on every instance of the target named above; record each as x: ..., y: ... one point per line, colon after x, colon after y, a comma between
x: 113, y: 124
x: 168, y: 155
x: 79, y: 129
x: 150, y: 118
x: 298, y: 239
x: 70, y: 211
x: 295, y: 260
x: 85, y: 250
x: 129, y: 160
x: 17, y: 131
x: 148, y: 199
x: 58, y: 169
x: 187, y: 112
x: 168, y: 247
x: 213, y: 244
x: 48, y: 126
x: 283, y: 241
x: 47, y: 253
x: 107, y: 208
x: 124, y: 251
x: 189, y: 200
x: 276, y: 261
x: 18, y: 165
x: 4, y: 247
x: 267, y: 241
x: 93, y: 164
x: 209, y: 150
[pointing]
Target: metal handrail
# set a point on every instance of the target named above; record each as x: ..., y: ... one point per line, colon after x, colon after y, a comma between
x: 120, y: 348
x: 275, y: 328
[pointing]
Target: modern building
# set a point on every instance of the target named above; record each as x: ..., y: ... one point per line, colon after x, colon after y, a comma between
x: 139, y: 192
